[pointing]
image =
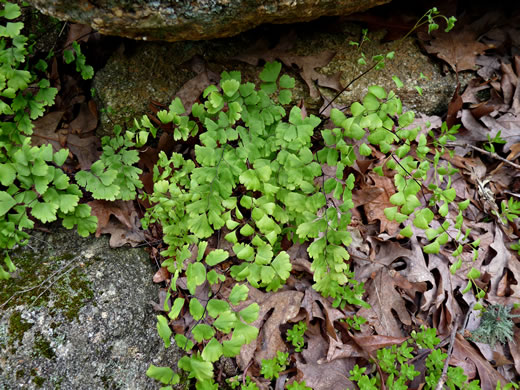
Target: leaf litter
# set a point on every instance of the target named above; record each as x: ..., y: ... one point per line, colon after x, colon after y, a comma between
x: 405, y: 288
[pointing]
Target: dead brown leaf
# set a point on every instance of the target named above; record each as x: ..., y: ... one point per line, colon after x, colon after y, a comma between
x: 44, y: 131
x: 87, y: 119
x: 497, y: 268
x: 275, y: 309
x: 489, y: 377
x: 459, y: 48
x: 384, y: 301
x: 86, y: 149
x: 374, y: 209
x: 324, y: 376
x: 124, y: 229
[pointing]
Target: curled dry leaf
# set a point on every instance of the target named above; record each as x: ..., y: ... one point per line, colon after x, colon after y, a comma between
x: 374, y: 209
x: 464, y: 352
x: 324, y: 376
x: 125, y: 229
x: 384, y: 301
x: 497, y: 268
x: 276, y: 308
x: 459, y: 48
x: 87, y: 119
x: 44, y: 131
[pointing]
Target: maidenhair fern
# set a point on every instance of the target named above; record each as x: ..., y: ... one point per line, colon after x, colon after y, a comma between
x: 257, y: 177
x: 33, y: 186
x: 114, y: 175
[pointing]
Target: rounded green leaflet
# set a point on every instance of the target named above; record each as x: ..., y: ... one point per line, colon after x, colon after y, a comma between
x: 377, y: 91
x: 7, y: 174
x: 247, y: 230
x: 163, y: 374
x: 473, y: 273
x: 178, y: 304
x: 217, y: 306
x: 225, y: 321
x: 433, y: 247
x: 250, y: 313
x: 365, y: 150
x: 285, y: 97
x: 270, y: 72
x: 357, y: 109
x: 164, y: 330
x: 423, y: 218
x: 230, y: 87
x: 196, y: 309
x: 203, y: 332
x: 371, y: 102
x: 246, y: 332
x: 282, y: 265
x: 216, y: 256
x: 212, y: 351
x: 286, y: 81
x: 397, y: 199
x: 397, y: 81
x: 390, y: 213
x: 238, y: 293
x: 406, y: 232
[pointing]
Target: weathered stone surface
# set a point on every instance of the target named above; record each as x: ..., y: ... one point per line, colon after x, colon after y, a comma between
x: 92, y: 327
x: 142, y: 72
x: 173, y: 21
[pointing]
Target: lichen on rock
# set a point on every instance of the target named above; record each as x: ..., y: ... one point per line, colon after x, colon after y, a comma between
x: 77, y: 315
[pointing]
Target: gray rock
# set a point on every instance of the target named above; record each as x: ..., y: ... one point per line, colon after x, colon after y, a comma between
x: 141, y: 72
x: 78, y: 316
x: 180, y: 20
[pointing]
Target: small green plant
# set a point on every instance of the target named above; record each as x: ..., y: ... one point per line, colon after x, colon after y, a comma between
x: 510, y: 210
x: 235, y: 383
x: 295, y: 335
x: 298, y: 386
x: 271, y: 368
x: 355, y: 322
x: 114, y: 175
x: 75, y: 54
x: 395, y: 363
x: 496, y: 324
x: 497, y: 139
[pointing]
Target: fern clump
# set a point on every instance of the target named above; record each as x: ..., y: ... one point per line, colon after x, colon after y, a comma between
x: 261, y: 173
x: 33, y: 185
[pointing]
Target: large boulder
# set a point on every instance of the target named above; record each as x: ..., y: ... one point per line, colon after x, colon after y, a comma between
x: 77, y: 315
x: 193, y: 20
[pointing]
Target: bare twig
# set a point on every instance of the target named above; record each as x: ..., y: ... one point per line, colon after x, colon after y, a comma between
x: 494, y: 155
x: 442, y: 380
x: 53, y: 282
x: 39, y: 285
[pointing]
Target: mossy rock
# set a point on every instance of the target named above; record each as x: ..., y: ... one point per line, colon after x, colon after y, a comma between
x: 77, y: 314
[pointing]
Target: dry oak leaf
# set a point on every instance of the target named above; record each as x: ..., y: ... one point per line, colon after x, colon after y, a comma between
x: 125, y: 229
x: 384, y: 301
x: 498, y: 267
x: 276, y: 308
x: 459, y: 48
x: 324, y: 376
x: 44, y: 130
x: 318, y: 307
x: 489, y: 377
x: 374, y: 209
x: 87, y: 119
